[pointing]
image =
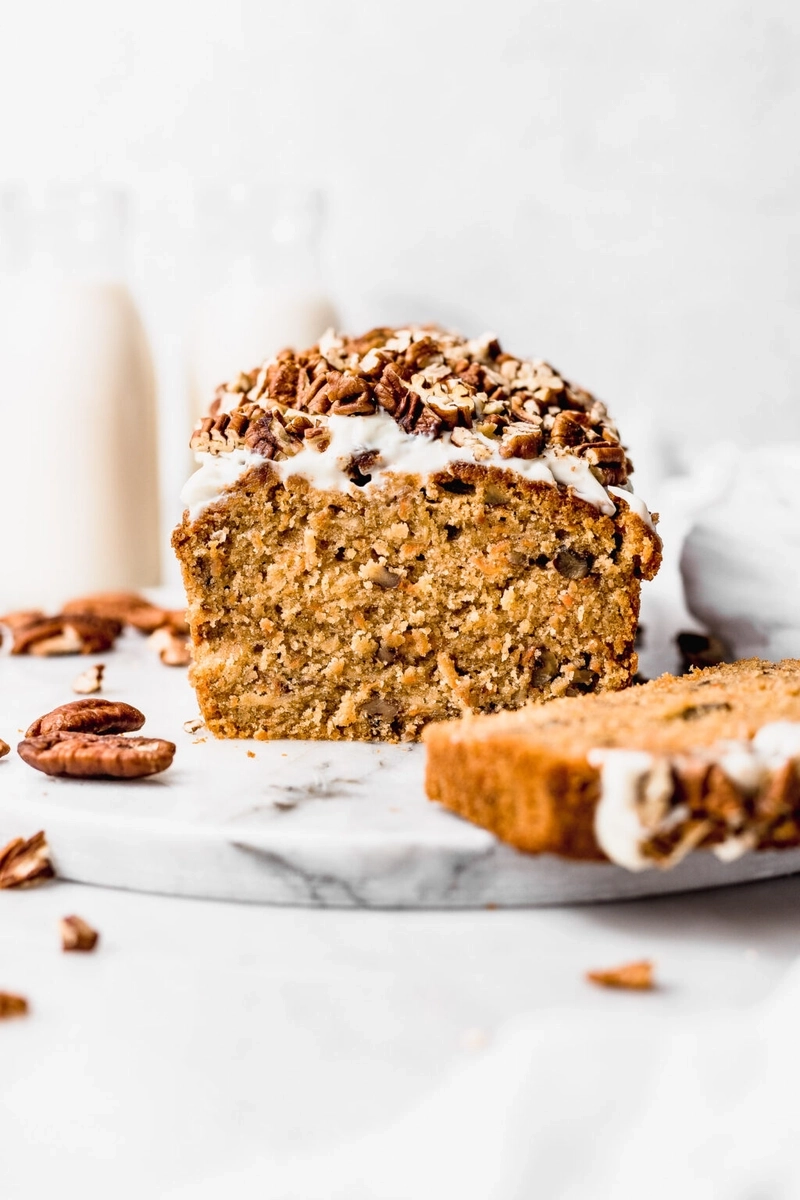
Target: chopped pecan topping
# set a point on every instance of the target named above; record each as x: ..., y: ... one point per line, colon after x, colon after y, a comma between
x: 636, y: 976
x: 25, y: 861
x: 430, y: 382
x: 93, y: 756
x: 521, y: 443
x: 77, y: 934
x: 88, y: 716
x: 12, y: 1006
x: 90, y: 680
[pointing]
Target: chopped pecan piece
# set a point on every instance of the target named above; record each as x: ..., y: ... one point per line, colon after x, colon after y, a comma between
x: 12, y: 1006
x: 390, y: 391
x: 382, y: 576
x: 635, y: 976
x: 282, y: 377
x: 518, y: 443
x: 318, y: 437
x: 77, y: 934
x: 93, y: 756
x: 25, y: 861
x: 88, y: 716
x: 572, y: 564
x: 90, y: 680
x: 4, y: 748
x: 378, y: 707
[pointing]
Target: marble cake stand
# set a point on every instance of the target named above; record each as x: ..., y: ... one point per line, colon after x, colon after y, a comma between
x: 284, y: 822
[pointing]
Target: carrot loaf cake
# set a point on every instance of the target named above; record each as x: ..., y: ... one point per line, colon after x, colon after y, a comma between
x: 711, y: 759
x: 398, y: 528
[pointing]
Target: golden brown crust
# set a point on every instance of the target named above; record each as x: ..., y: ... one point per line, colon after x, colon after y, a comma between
x: 526, y: 777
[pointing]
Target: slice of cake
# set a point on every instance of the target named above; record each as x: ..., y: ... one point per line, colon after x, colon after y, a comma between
x: 710, y: 759
x: 398, y: 528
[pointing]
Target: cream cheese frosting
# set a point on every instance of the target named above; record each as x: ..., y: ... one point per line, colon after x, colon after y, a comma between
x: 636, y: 787
x: 399, y: 453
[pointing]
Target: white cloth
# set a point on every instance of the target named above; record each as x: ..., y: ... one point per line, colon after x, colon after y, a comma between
x: 578, y: 1111
x: 741, y: 555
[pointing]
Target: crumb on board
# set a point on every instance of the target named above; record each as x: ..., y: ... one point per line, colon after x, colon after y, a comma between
x: 633, y: 976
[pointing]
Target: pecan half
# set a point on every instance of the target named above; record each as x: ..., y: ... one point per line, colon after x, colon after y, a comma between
x: 77, y: 934
x: 88, y: 716
x: 128, y: 608
x: 74, y: 633
x: 25, y: 861
x: 12, y: 1006
x: 93, y: 756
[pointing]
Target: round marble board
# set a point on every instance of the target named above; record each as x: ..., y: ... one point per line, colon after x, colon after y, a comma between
x: 313, y: 823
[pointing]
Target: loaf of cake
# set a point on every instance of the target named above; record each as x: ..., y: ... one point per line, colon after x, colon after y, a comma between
x: 710, y: 759
x: 403, y: 527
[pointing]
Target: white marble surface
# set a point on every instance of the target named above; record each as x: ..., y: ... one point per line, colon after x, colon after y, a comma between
x: 343, y: 824
x: 202, y: 1035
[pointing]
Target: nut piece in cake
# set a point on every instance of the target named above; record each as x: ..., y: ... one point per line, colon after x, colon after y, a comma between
x: 707, y: 760
x: 399, y: 528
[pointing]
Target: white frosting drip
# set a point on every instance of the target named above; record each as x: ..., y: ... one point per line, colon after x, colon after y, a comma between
x: 633, y: 779
x: 400, y: 453
x: 618, y: 823
x: 218, y: 471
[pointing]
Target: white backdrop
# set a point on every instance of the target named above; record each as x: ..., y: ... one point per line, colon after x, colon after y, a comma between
x: 612, y: 185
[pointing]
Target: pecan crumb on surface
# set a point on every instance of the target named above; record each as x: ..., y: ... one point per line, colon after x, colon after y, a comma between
x: 12, y: 1006
x: 88, y: 716
x: 90, y: 680
x: 77, y: 934
x: 193, y: 725
x: 93, y: 756
x: 25, y: 861
x: 174, y: 649
x: 4, y: 748
x: 634, y: 976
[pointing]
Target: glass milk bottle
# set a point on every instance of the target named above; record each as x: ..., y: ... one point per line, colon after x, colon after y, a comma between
x: 257, y: 273
x: 78, y: 477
